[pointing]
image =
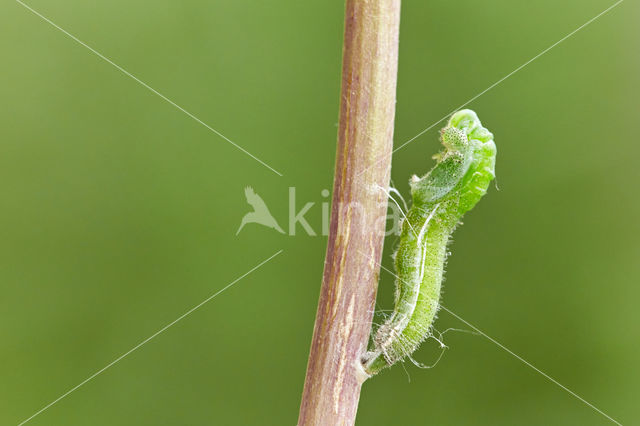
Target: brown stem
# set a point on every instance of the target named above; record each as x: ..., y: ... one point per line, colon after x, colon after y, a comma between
x: 363, y: 165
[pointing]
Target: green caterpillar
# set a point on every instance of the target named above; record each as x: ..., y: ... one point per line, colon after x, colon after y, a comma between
x: 460, y: 178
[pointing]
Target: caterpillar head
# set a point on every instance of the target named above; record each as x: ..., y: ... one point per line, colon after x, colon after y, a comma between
x: 467, y: 144
x: 454, y: 140
x: 468, y: 122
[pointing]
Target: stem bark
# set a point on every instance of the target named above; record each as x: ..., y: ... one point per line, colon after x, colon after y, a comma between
x: 358, y: 216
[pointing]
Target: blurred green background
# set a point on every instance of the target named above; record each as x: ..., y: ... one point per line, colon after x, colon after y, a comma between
x: 119, y: 212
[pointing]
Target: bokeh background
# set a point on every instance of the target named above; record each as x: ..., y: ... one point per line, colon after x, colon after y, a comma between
x: 119, y: 212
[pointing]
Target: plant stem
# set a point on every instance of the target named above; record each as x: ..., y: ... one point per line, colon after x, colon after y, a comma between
x: 363, y: 164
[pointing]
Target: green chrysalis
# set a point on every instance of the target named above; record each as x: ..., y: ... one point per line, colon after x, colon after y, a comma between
x: 460, y: 178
